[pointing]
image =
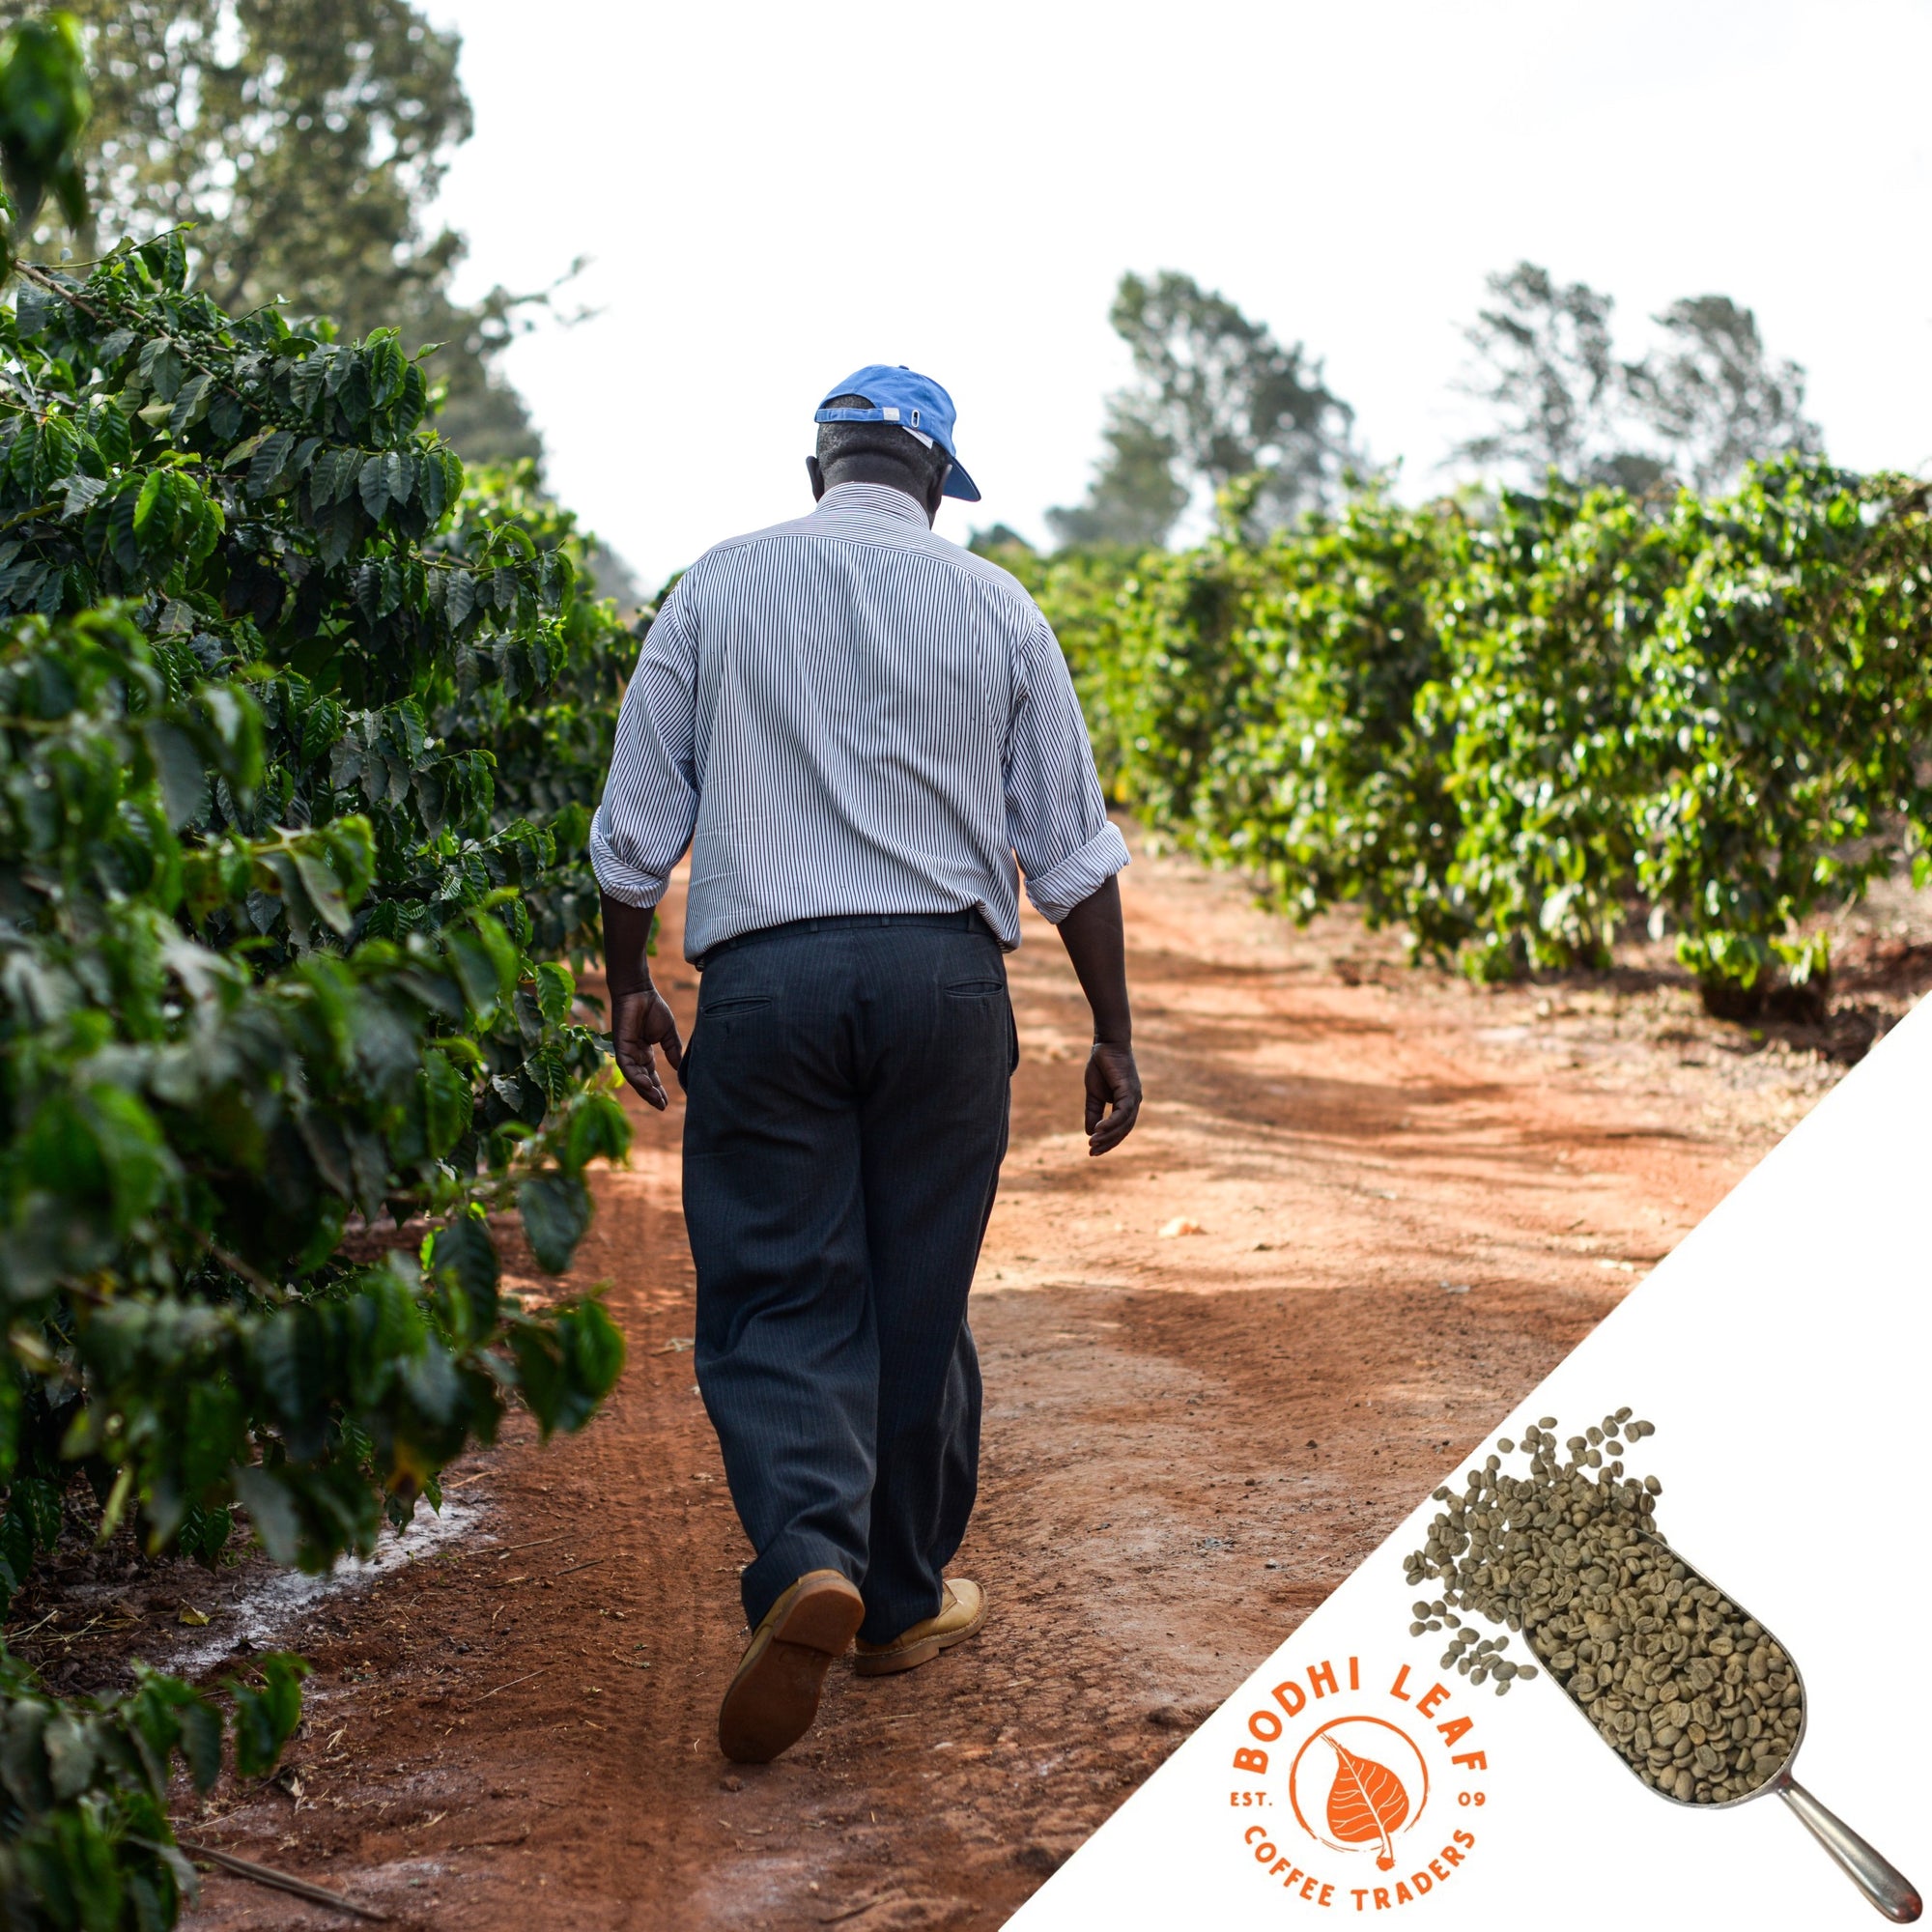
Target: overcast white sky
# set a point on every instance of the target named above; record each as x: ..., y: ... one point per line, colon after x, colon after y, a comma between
x: 775, y: 194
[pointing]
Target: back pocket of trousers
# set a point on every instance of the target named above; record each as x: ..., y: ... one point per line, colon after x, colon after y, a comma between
x: 975, y: 989
x: 724, y: 1008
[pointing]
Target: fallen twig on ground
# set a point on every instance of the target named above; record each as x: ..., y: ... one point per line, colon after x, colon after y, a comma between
x: 280, y: 1881
x: 510, y: 1686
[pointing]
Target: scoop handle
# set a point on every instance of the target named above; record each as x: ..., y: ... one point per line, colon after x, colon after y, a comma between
x: 1882, y: 1882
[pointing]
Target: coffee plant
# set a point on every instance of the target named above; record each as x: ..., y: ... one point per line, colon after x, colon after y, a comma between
x: 299, y: 732
x: 84, y: 1835
x: 1518, y: 726
x: 1785, y: 716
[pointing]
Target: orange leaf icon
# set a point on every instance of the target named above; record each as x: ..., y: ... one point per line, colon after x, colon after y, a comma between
x: 1366, y: 1803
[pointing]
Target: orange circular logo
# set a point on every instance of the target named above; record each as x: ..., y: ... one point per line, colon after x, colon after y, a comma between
x: 1360, y: 1782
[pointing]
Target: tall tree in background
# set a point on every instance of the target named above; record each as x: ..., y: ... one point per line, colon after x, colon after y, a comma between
x: 1217, y: 397
x: 1546, y: 369
x: 1713, y: 398
x: 305, y: 139
x: 1694, y: 411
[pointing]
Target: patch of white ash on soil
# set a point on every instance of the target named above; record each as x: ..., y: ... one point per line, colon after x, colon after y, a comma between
x: 262, y: 1615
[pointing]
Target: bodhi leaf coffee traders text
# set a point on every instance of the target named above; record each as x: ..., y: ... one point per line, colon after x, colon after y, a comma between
x: 1695, y: 1695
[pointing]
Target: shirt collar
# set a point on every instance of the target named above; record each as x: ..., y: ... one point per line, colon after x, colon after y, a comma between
x: 876, y: 499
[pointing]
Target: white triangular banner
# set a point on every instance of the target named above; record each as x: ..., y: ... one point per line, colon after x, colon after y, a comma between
x: 1781, y: 1353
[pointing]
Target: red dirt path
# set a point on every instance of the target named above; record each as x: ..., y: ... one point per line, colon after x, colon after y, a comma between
x: 1409, y: 1212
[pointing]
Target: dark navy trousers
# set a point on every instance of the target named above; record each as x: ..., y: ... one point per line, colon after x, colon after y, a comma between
x: 847, y: 1087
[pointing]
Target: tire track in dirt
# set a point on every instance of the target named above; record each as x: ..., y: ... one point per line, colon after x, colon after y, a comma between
x: 1189, y: 1440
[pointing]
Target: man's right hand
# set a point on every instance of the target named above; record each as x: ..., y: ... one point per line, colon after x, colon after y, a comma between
x: 1113, y: 1090
x: 640, y: 1021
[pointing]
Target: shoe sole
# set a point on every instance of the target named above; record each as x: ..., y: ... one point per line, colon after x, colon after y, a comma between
x: 886, y: 1664
x: 774, y: 1698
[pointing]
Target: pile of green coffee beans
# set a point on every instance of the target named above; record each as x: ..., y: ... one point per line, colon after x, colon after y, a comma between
x: 1695, y: 1696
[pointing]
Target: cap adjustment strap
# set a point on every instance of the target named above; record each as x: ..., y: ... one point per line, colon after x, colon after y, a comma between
x: 891, y: 413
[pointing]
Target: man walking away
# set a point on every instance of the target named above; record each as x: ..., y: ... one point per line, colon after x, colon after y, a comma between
x: 857, y: 729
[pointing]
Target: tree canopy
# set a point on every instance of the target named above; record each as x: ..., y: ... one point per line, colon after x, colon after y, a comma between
x: 1714, y: 398
x: 1694, y: 410
x: 1216, y: 398
x: 304, y: 140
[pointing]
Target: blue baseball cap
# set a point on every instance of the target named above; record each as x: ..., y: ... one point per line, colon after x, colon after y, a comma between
x: 915, y: 402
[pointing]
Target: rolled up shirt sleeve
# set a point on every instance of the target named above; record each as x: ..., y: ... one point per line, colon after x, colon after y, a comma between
x: 1056, y: 815
x: 645, y: 823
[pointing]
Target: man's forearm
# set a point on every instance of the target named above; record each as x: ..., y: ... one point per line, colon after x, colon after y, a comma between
x: 1096, y: 943
x: 627, y: 939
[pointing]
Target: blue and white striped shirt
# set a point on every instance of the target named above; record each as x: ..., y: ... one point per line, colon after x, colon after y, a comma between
x: 847, y: 714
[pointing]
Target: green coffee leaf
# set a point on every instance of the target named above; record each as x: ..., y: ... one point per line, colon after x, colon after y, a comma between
x: 464, y: 1251
x: 201, y: 1742
x: 447, y: 1102
x: 184, y: 777
x: 557, y: 989
x: 266, y: 464
x: 270, y: 1511
x: 374, y: 487
x: 82, y: 492
x: 325, y: 892
x: 556, y: 1212
x: 190, y: 402
x: 31, y: 308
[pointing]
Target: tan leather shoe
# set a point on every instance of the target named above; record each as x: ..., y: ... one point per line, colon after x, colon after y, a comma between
x: 962, y: 1614
x: 774, y: 1698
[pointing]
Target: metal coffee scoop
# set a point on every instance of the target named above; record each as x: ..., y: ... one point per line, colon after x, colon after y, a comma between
x: 1876, y: 1876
